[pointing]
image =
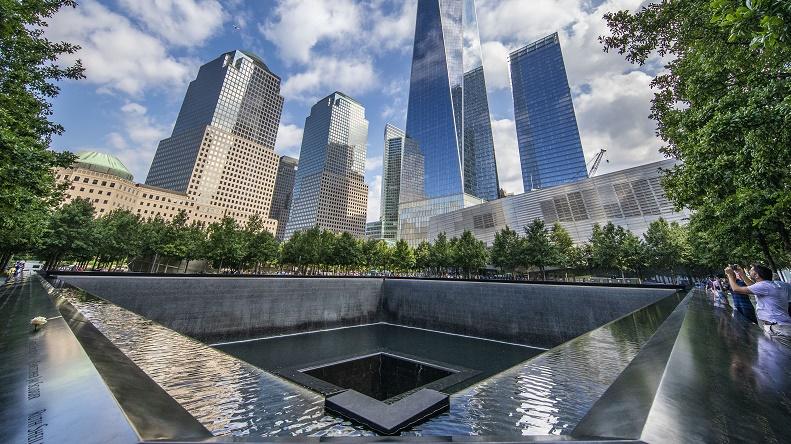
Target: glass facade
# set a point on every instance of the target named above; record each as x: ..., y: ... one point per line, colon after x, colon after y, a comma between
x: 330, y: 189
x: 391, y: 181
x: 221, y: 152
x: 550, y: 150
x: 480, y: 165
x: 448, y: 152
x: 281, y: 197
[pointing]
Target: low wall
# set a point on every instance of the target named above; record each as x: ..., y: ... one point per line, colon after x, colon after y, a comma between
x: 214, y: 309
x: 532, y: 314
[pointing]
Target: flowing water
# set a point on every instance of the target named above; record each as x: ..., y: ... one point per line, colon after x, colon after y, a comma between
x: 548, y: 394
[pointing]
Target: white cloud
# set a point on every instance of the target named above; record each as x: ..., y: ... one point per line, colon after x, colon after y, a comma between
x: 298, y: 25
x: 614, y: 116
x: 373, y: 164
x: 509, y: 170
x: 327, y: 74
x: 495, y: 65
x: 289, y: 139
x: 611, y: 97
x: 374, y: 197
x: 394, y: 31
x: 137, y: 142
x: 180, y: 22
x: 117, y: 55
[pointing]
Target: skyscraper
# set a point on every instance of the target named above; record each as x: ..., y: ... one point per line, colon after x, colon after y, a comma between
x: 451, y: 165
x: 550, y: 150
x: 391, y: 181
x: 221, y: 151
x: 480, y: 165
x: 330, y: 189
x: 281, y: 198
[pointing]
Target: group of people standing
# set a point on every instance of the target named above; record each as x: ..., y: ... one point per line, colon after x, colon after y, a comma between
x: 772, y: 309
x: 15, y: 270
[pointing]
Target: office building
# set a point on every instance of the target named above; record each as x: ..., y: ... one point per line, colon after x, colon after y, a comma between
x: 330, y: 189
x: 373, y: 230
x: 550, y: 150
x: 284, y: 189
x: 106, y: 182
x: 631, y: 198
x: 391, y: 181
x: 480, y: 164
x: 221, y: 151
x: 444, y: 149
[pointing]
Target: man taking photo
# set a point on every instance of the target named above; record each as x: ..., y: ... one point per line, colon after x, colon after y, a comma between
x: 771, y: 297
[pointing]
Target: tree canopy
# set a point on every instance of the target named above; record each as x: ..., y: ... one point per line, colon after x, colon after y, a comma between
x: 723, y: 108
x: 29, y: 71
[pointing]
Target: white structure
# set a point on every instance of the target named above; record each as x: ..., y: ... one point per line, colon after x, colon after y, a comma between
x: 631, y: 198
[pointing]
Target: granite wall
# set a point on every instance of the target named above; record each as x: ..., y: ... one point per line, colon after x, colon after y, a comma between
x: 531, y: 314
x: 215, y: 309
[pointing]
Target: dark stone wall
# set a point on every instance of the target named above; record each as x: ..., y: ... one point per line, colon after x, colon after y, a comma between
x: 215, y: 309
x: 225, y: 309
x: 531, y: 314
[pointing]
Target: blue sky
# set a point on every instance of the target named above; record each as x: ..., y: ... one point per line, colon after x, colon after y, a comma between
x: 140, y: 55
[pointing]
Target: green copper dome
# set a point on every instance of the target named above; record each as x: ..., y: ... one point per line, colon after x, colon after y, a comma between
x: 102, y: 163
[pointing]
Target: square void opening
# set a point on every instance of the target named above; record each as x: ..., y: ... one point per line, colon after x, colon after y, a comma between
x: 380, y: 376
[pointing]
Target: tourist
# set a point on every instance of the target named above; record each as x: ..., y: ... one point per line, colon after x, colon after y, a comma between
x: 718, y: 295
x: 741, y: 302
x: 771, y: 298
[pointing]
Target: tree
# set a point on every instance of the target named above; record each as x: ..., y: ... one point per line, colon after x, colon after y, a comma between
x: 614, y: 248
x: 633, y: 255
x: 225, y: 245
x: 28, y: 76
x: 117, y: 236
x: 423, y: 256
x: 403, y: 258
x: 537, y: 248
x: 69, y: 233
x: 468, y: 253
x: 153, y: 235
x: 259, y: 245
x: 722, y: 107
x: 565, y: 253
x: 506, y: 250
x: 348, y: 252
x: 441, y: 254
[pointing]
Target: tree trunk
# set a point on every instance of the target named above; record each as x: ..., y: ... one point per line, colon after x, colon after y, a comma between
x: 186, y: 266
x: 765, y: 249
x: 154, y: 262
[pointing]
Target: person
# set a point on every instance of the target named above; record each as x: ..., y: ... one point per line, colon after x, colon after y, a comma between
x: 9, y: 274
x: 741, y: 302
x: 718, y: 296
x: 771, y: 298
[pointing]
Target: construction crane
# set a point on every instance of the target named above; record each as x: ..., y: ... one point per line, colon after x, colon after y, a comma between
x: 596, y: 161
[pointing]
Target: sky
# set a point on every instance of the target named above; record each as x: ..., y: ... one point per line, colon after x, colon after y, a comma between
x: 140, y: 55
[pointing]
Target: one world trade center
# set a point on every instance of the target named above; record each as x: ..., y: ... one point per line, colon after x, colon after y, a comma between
x: 451, y: 162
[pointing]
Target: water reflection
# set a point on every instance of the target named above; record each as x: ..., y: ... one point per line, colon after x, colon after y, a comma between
x: 228, y: 396
x: 550, y: 394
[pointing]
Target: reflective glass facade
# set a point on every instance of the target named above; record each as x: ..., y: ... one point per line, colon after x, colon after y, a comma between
x: 281, y: 197
x: 391, y: 181
x: 221, y: 152
x: 480, y: 165
x: 443, y: 158
x: 235, y: 93
x: 330, y: 189
x: 550, y: 150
